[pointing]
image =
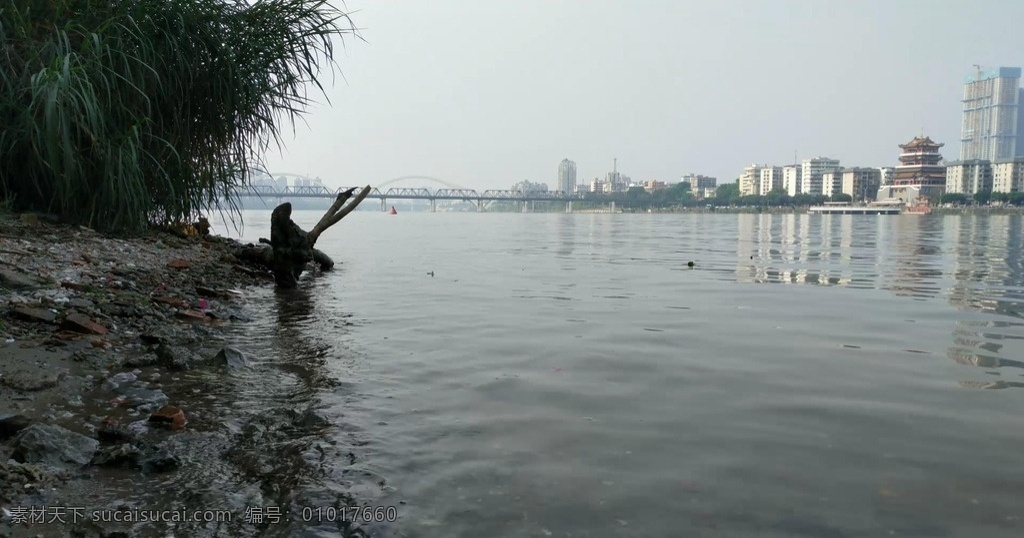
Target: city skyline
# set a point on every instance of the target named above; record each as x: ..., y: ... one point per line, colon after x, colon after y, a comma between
x: 453, y: 90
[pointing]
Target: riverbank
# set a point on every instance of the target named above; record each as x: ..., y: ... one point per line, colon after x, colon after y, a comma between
x: 92, y: 329
x: 964, y: 210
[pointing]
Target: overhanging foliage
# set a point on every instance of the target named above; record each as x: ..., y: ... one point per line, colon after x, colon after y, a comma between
x: 118, y: 113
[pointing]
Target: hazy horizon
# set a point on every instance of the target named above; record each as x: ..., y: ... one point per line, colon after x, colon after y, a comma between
x: 486, y: 94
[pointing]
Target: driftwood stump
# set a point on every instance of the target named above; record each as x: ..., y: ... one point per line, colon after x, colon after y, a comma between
x: 291, y: 247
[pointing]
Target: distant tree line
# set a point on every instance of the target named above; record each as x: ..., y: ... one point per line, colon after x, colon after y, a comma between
x: 983, y: 197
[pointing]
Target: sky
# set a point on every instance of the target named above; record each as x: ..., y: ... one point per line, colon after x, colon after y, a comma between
x: 486, y: 93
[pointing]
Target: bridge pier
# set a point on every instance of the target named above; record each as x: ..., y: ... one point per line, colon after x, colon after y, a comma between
x: 568, y: 206
x: 383, y: 204
x: 433, y: 205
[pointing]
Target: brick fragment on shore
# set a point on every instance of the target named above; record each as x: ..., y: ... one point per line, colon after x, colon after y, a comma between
x: 169, y: 416
x: 79, y: 323
x: 173, y: 301
x: 191, y: 315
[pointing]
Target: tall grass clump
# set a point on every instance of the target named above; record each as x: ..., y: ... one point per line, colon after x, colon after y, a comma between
x: 120, y: 113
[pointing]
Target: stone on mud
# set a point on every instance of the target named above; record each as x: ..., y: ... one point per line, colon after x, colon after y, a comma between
x: 232, y: 357
x: 29, y: 313
x: 119, y: 379
x: 15, y: 476
x: 139, y: 396
x: 209, y: 292
x: 143, y: 359
x: 81, y: 303
x: 125, y: 454
x: 308, y: 419
x: 11, y: 425
x: 111, y: 431
x: 52, y: 445
x: 34, y: 381
x: 160, y: 461
x: 17, y: 280
x: 174, y: 357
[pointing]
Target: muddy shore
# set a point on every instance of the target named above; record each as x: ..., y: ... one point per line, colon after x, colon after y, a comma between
x: 93, y: 330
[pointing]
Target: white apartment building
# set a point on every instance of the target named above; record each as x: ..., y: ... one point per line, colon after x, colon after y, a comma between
x: 771, y: 179
x: 1008, y: 175
x: 861, y: 183
x: 968, y: 177
x: 813, y: 170
x: 832, y: 182
x: 791, y: 179
x: 750, y: 181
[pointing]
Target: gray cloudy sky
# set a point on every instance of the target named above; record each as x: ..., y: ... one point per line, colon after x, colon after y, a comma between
x: 485, y: 93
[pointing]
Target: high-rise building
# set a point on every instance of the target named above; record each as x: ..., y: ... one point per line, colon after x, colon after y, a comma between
x: 1008, y: 175
x: 791, y: 179
x: 1020, y: 124
x: 750, y: 181
x: 567, y: 176
x: 813, y: 170
x: 771, y: 179
x: 968, y: 177
x: 861, y: 183
x: 832, y: 182
x: 993, y: 116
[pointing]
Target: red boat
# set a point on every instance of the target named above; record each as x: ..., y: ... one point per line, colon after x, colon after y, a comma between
x: 919, y: 208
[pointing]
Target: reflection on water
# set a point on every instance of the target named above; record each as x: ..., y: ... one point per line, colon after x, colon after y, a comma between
x: 975, y: 262
x: 571, y: 375
x: 565, y: 232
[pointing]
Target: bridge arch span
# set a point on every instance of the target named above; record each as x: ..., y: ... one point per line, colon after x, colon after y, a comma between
x: 428, y: 178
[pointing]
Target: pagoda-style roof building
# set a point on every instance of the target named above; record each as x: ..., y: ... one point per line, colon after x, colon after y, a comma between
x: 920, y: 164
x: 921, y: 142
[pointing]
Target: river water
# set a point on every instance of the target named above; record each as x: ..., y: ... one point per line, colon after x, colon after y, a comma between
x: 519, y: 375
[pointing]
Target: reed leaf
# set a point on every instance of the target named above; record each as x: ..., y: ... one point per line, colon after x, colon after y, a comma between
x: 123, y: 113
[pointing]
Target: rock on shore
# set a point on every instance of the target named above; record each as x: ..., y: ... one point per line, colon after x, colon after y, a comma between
x: 79, y: 313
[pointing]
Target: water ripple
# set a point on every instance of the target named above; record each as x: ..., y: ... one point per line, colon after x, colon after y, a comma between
x: 570, y: 375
